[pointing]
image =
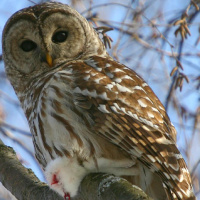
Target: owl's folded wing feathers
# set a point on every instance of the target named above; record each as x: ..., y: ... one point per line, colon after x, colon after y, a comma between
x: 122, y: 108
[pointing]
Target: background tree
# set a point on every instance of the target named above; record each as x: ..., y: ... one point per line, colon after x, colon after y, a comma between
x: 158, y: 39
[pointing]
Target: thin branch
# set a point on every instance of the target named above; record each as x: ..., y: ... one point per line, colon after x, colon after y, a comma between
x: 14, y: 128
x: 9, y: 99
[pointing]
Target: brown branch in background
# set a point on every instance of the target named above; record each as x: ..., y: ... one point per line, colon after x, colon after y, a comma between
x: 9, y: 99
x: 106, y: 39
x: 17, y: 141
x: 198, y: 39
x: 198, y: 82
x: 13, y: 128
x: 145, y: 44
x: 180, y: 77
x: 183, y: 27
x: 195, y: 4
x: 183, y: 24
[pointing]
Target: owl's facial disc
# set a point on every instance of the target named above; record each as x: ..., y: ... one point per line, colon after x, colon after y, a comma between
x: 37, y: 44
x: 63, y: 37
x: 35, y: 40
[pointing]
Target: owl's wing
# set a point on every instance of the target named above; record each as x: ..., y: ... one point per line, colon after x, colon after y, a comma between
x: 122, y: 108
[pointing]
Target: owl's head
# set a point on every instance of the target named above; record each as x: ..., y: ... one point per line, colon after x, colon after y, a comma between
x: 38, y: 38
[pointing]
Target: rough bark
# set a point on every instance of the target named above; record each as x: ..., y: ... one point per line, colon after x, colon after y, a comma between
x: 24, y: 185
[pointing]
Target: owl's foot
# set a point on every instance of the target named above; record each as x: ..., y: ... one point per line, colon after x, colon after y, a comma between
x: 67, y: 196
x: 64, y: 176
x: 55, y: 181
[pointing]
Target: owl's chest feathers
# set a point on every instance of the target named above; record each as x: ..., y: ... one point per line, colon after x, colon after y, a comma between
x: 56, y: 125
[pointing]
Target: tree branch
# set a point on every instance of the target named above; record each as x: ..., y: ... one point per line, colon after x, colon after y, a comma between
x: 20, y: 181
x: 108, y: 187
x: 23, y: 183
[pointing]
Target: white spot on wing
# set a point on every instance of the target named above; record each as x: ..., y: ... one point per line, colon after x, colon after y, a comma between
x: 123, y: 89
x: 118, y: 80
x: 104, y: 96
x: 147, y: 98
x: 97, y: 80
x: 139, y: 88
x: 116, y: 105
x: 164, y: 140
x: 86, y: 78
x: 109, y: 86
x: 155, y: 126
x: 146, y: 121
x: 150, y: 115
x: 103, y: 108
x: 180, y: 194
x: 142, y: 104
x: 108, y: 65
x: 93, y: 73
x: 99, y: 69
x: 178, y: 156
x: 158, y: 160
x: 118, y: 70
x: 151, y: 158
x: 127, y: 77
x: 137, y: 77
x: 174, y: 177
x: 66, y: 72
x: 154, y: 109
x: 133, y: 139
x: 161, y: 108
x: 93, y: 93
x: 144, y: 84
x: 88, y: 71
x: 114, y: 109
x: 123, y: 109
x: 174, y: 167
x: 132, y: 115
x: 166, y: 175
x: 135, y: 116
x: 188, y: 192
x: 146, y: 128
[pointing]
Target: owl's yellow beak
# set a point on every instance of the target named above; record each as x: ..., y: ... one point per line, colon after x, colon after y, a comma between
x: 49, y: 60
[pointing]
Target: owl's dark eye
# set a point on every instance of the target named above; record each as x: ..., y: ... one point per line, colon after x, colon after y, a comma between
x: 60, y: 36
x: 28, y: 45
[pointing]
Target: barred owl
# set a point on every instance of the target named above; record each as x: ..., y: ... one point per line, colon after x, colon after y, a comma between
x: 86, y: 111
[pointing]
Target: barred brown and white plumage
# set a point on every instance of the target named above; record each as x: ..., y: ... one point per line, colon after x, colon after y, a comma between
x: 86, y: 111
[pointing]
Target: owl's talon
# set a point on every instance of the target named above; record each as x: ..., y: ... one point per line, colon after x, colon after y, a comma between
x: 67, y: 196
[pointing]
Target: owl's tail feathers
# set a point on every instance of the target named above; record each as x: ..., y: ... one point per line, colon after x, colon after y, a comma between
x: 178, y: 195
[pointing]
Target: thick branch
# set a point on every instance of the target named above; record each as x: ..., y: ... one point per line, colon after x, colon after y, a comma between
x: 20, y: 181
x: 23, y: 184
x: 108, y: 187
